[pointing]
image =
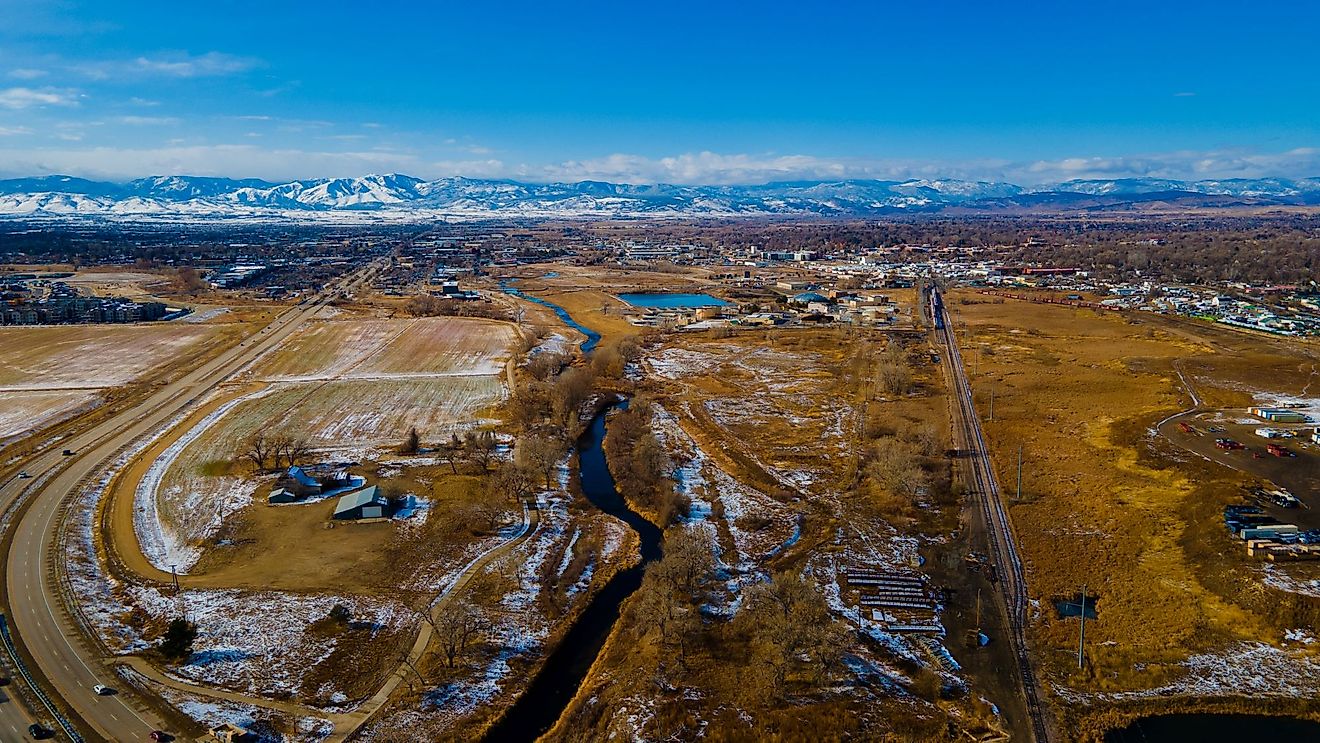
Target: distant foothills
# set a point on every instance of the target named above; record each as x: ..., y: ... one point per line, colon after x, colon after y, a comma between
x: 396, y: 197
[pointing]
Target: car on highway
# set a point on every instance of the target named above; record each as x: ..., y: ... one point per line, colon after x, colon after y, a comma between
x: 160, y: 736
x: 23, y: 475
x: 40, y: 732
x: 102, y: 689
x: 68, y: 452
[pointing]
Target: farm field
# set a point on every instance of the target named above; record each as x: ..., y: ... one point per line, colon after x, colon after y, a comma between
x: 50, y: 373
x: 90, y: 356
x: 331, y: 349
x: 1109, y: 503
x: 350, y: 389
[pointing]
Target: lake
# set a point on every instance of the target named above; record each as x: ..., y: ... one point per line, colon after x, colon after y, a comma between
x: 672, y: 300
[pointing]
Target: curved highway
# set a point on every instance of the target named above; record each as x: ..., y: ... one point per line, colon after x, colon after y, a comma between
x: 67, y: 663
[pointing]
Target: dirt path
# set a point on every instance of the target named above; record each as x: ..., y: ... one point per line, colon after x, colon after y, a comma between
x: 360, y: 716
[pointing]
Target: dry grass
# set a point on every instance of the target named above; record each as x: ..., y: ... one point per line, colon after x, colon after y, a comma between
x: 298, y: 548
x: 1079, y: 390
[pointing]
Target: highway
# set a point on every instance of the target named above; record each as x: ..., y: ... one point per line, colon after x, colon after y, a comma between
x: 41, y: 624
x: 982, y: 485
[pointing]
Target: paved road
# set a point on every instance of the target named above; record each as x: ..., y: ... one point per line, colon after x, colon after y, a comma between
x: 1012, y: 594
x: 37, y: 615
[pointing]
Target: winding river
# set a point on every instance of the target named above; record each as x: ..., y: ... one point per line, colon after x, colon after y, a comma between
x: 549, y: 693
x: 593, y: 337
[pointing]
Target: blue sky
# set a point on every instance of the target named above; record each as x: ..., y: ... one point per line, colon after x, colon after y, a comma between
x: 688, y: 92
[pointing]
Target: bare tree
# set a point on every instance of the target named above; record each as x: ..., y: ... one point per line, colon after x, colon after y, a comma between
x: 512, y: 482
x: 791, y: 629
x: 257, y: 450
x: 481, y: 447
x: 893, y: 371
x: 456, y: 626
x: 540, y: 454
x: 297, y: 450
x: 411, y: 443
x: 895, y: 467
x: 571, y: 389
x: 452, y: 452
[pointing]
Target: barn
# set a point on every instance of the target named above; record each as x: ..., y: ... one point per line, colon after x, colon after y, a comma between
x: 281, y: 495
x: 367, y: 503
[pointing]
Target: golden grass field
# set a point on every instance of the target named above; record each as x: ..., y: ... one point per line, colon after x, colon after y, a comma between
x: 1079, y: 390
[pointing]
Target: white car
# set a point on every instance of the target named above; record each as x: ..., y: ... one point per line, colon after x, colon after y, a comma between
x: 101, y: 689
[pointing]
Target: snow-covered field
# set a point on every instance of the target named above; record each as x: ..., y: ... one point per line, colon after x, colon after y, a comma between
x: 520, y: 625
x: 1253, y: 669
x: 391, y: 349
x: 259, y: 643
x: 74, y: 357
x: 169, y: 542
x: 23, y: 412
x: 251, y: 641
x: 51, y: 373
x: 786, y: 401
x: 210, y: 711
x: 345, y: 420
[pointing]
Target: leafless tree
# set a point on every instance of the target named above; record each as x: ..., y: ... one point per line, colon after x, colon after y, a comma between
x: 893, y: 371
x: 895, y: 467
x: 540, y: 454
x: 452, y: 452
x: 791, y: 629
x: 480, y: 446
x: 411, y: 442
x: 456, y: 626
x: 571, y: 389
x: 512, y: 482
x: 257, y: 450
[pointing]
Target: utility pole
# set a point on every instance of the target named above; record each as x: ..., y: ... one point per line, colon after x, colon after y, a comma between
x: 992, y: 404
x: 1019, y: 483
x: 1081, y: 634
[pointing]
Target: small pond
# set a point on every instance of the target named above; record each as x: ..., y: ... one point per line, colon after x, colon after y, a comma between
x: 666, y: 300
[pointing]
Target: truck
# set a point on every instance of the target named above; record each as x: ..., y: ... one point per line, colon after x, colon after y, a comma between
x: 1228, y: 444
x: 1279, y: 451
x: 1186, y: 427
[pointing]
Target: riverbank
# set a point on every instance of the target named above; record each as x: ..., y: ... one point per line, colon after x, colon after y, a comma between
x: 555, y: 685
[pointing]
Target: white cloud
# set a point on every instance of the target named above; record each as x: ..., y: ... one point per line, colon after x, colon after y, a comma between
x: 171, y: 64
x: 136, y: 101
x: 26, y: 73
x: 147, y: 120
x: 235, y: 160
x: 20, y: 98
x: 12, y: 131
x: 1301, y: 162
x: 700, y: 168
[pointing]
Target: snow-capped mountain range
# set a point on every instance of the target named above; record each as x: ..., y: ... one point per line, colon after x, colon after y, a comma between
x: 396, y: 197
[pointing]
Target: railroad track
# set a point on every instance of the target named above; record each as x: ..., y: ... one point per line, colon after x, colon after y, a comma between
x: 1002, y: 541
